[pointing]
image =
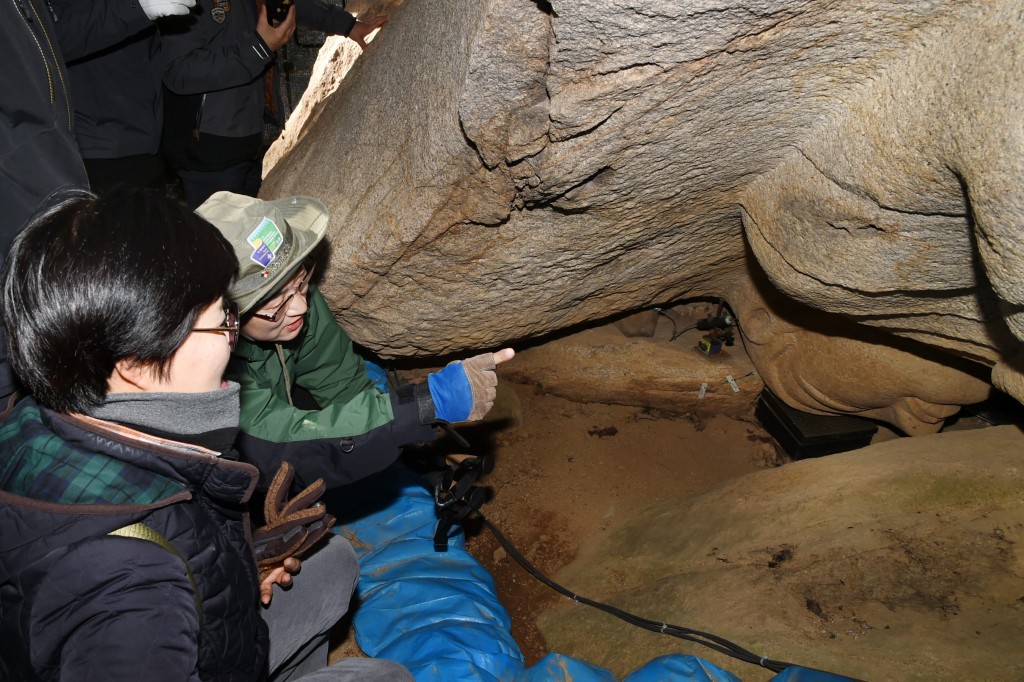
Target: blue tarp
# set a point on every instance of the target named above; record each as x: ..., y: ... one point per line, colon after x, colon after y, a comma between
x: 438, y: 613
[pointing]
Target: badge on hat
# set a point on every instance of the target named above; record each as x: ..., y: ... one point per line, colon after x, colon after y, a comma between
x: 265, y: 240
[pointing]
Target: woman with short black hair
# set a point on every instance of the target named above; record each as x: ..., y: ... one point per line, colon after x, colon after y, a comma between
x: 95, y: 288
x: 124, y: 542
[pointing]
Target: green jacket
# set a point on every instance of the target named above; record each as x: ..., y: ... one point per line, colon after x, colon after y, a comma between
x: 357, y: 430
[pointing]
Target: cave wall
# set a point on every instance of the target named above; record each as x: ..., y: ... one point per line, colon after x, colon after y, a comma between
x: 502, y: 169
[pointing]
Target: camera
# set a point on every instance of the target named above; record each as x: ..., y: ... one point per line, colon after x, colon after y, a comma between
x: 277, y: 10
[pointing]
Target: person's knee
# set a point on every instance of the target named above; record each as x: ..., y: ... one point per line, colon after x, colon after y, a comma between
x: 341, y: 557
x: 388, y: 671
x: 367, y: 670
x: 335, y: 568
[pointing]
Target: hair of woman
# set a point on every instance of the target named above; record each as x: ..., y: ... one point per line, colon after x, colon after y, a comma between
x: 92, y: 281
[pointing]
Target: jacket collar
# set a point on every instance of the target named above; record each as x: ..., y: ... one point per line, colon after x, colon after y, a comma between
x: 51, y: 454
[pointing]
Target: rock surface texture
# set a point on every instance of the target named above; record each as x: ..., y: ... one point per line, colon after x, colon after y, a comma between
x: 847, y: 175
x: 899, y: 561
x: 603, y: 366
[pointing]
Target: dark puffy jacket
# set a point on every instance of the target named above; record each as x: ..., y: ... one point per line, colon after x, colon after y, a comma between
x: 37, y: 150
x: 78, y: 604
x: 38, y: 154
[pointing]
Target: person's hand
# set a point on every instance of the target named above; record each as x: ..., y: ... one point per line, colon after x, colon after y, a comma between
x: 362, y: 29
x: 155, y: 9
x: 465, y: 390
x: 282, y: 575
x: 275, y: 36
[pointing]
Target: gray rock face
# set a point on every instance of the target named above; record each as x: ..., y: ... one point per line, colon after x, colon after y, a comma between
x: 502, y: 169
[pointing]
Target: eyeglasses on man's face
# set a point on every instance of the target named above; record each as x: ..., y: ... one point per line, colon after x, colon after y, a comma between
x: 230, y: 326
x: 275, y: 307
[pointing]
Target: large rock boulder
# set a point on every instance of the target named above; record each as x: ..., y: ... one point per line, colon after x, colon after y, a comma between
x: 825, y: 363
x: 601, y: 365
x: 503, y: 169
x: 900, y: 561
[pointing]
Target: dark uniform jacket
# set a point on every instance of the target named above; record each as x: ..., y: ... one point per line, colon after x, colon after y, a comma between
x: 79, y: 604
x: 215, y: 67
x: 38, y: 153
x: 117, y: 95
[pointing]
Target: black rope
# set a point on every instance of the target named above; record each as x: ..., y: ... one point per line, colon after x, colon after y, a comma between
x: 676, y: 333
x: 458, y: 498
x: 707, y: 639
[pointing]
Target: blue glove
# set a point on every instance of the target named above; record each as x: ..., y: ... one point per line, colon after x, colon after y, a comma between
x: 451, y: 393
x: 465, y: 390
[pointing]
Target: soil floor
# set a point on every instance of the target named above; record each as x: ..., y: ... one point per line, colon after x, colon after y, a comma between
x: 565, y: 474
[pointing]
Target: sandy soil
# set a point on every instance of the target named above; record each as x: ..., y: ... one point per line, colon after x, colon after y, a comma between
x: 566, y: 473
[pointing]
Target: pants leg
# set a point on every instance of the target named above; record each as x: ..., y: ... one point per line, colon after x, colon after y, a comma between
x: 301, y: 617
x: 143, y: 170
x: 242, y: 178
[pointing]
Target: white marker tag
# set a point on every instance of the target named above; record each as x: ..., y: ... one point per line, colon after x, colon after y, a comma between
x: 703, y: 390
x: 732, y: 383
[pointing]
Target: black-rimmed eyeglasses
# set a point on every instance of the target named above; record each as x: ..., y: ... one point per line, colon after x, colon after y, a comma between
x: 301, y: 288
x: 230, y: 326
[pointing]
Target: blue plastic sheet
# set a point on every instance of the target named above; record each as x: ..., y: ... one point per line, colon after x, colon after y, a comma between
x: 678, y: 667
x: 378, y: 375
x: 438, y: 613
x: 798, y: 674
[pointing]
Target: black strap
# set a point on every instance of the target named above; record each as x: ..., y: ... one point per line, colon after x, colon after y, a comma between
x: 420, y: 394
x: 457, y: 497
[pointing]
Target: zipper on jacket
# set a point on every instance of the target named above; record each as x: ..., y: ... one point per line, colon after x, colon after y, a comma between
x: 199, y: 116
x: 56, y: 65
x: 42, y: 53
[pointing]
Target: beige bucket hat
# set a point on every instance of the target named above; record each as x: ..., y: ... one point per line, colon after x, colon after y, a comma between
x: 270, y: 239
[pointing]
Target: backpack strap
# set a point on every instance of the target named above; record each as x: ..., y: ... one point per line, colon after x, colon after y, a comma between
x: 141, y: 531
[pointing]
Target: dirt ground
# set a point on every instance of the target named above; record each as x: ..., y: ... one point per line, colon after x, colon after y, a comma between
x: 566, y: 473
